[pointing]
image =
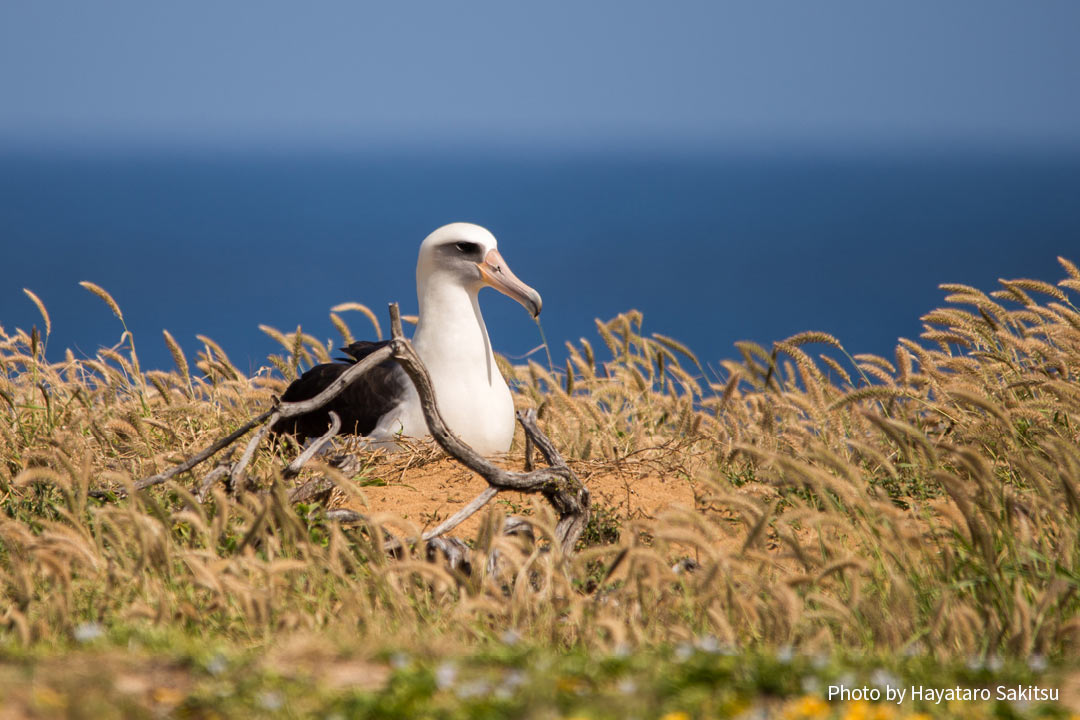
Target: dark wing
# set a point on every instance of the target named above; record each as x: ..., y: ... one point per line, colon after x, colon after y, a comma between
x: 360, y: 405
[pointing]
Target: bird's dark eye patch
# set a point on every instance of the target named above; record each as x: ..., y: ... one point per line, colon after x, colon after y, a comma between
x: 467, y: 248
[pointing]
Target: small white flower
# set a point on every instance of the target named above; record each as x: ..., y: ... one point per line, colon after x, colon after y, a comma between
x: 514, y: 679
x: 445, y: 675
x: 883, y: 679
x: 511, y: 682
x: 270, y: 700
x: 216, y: 665
x: 754, y: 714
x: 709, y: 644
x: 88, y: 631
x: 472, y: 689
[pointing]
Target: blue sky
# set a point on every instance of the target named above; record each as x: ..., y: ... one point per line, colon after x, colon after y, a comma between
x: 602, y: 72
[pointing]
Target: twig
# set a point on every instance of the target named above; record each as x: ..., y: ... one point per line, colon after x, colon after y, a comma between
x: 557, y: 483
x: 211, y: 477
x: 205, y: 454
x: 282, y: 410
x: 296, y: 465
x: 238, y: 475
x: 396, y: 330
x: 292, y: 409
x: 222, y: 469
x: 310, y: 490
x: 345, y: 516
x: 528, y: 419
x: 462, y: 515
x: 529, y: 447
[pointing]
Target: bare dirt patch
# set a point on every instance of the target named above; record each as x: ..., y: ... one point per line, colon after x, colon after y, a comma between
x: 423, y: 488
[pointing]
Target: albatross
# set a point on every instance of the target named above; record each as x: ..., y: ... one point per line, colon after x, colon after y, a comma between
x: 455, y: 263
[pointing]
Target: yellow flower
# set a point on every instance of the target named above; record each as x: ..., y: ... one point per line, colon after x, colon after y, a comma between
x: 857, y: 710
x: 808, y: 706
x: 567, y: 684
x: 167, y: 696
x: 677, y: 715
x: 883, y: 712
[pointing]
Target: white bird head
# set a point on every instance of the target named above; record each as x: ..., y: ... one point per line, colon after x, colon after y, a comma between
x: 467, y: 255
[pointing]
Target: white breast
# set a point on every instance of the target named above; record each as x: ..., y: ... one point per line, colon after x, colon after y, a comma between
x: 470, y: 391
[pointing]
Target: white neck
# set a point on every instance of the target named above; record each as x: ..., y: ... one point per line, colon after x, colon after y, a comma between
x: 451, y: 337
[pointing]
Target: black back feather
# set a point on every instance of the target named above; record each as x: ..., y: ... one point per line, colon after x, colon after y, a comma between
x: 359, y: 406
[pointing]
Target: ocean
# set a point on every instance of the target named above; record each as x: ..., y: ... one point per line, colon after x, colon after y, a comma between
x: 713, y: 248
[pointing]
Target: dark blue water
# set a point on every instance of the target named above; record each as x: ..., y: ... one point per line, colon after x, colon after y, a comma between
x: 712, y: 249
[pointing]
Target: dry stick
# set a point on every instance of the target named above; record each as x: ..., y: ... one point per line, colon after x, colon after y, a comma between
x: 283, y: 410
x: 291, y: 409
x: 345, y: 516
x: 208, y: 482
x: 527, y: 418
x: 462, y: 515
x: 389, y: 543
x: 194, y: 459
x: 222, y: 469
x: 575, y: 516
x: 296, y: 465
x: 528, y: 453
x: 332, y: 390
x: 558, y: 483
x: 311, y: 490
x: 238, y: 475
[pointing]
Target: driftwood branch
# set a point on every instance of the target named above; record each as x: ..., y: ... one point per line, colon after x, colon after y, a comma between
x: 288, y: 410
x: 311, y: 490
x: 222, y: 470
x: 313, y: 449
x: 205, y: 454
x: 238, y: 476
x: 529, y: 447
x: 462, y: 515
x: 267, y: 419
x: 557, y: 483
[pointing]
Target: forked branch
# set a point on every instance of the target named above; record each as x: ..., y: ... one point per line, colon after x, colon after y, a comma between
x: 556, y: 483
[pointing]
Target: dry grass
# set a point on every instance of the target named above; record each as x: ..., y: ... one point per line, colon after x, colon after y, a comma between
x: 927, y: 502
